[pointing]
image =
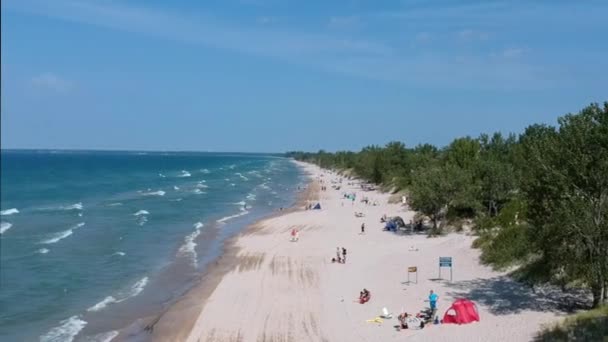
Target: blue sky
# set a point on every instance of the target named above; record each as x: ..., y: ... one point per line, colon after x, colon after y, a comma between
x: 276, y: 75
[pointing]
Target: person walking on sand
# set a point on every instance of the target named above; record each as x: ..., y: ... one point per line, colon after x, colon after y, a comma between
x: 363, y: 228
x: 344, y: 255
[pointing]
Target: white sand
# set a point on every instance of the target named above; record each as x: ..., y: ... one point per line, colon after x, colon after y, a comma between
x: 290, y: 291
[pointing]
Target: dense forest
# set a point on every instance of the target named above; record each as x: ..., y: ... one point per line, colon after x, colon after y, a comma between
x: 537, y: 200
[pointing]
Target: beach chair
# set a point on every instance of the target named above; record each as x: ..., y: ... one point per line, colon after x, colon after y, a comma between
x: 386, y: 314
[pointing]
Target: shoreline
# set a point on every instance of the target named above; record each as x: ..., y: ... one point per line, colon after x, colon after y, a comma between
x: 176, y: 321
x: 264, y: 287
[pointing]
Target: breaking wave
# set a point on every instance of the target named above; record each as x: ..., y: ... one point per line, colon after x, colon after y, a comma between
x: 141, y: 212
x: 43, y: 250
x: 66, y: 332
x: 188, y: 248
x: 9, y: 212
x: 62, y: 235
x: 131, y: 292
x: 227, y: 218
x: 184, y: 174
x: 154, y: 193
x: 4, y: 226
x: 242, y: 177
x: 76, y: 206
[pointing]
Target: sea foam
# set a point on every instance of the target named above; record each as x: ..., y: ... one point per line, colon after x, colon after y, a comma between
x: 76, y: 206
x: 121, y: 296
x: 102, y: 337
x: 184, y: 174
x: 43, y: 250
x: 141, y: 212
x: 226, y: 218
x: 62, y: 235
x: 4, y: 226
x: 9, y: 212
x: 101, y: 305
x: 154, y: 193
x: 242, y: 177
x: 66, y: 332
x: 188, y: 248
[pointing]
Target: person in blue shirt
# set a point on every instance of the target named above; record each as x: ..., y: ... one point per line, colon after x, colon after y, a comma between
x: 433, y: 300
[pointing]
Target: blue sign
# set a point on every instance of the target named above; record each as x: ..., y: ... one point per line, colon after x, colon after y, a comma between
x: 445, y: 262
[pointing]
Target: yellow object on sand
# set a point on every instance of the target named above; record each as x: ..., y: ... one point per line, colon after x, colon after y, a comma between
x: 375, y: 320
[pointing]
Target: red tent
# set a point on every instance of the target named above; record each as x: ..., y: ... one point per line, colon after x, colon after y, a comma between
x: 462, y: 311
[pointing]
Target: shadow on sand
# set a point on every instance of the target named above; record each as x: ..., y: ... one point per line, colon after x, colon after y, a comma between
x: 503, y: 296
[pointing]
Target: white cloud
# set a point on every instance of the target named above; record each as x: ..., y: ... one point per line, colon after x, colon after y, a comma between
x: 48, y: 80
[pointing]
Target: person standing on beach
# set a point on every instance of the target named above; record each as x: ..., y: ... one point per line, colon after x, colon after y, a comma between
x: 344, y: 255
x: 338, y: 253
x: 363, y: 228
x: 433, y: 297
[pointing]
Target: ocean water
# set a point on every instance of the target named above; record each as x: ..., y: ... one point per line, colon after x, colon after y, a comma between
x: 92, y: 241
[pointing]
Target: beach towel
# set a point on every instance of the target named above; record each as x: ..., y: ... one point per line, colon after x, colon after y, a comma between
x: 375, y: 320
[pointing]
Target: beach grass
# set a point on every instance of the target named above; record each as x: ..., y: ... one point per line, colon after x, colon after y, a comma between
x: 586, y: 326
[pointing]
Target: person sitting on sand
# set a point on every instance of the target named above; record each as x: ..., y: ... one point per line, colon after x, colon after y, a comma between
x: 410, y: 321
x: 402, y: 319
x: 364, y: 296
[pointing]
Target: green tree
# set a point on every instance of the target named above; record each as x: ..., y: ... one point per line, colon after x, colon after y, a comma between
x: 434, y: 189
x: 566, y: 186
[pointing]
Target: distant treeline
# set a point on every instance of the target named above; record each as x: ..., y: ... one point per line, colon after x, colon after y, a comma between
x: 538, y: 200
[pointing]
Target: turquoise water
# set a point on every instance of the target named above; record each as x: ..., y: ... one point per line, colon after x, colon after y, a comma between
x: 93, y: 240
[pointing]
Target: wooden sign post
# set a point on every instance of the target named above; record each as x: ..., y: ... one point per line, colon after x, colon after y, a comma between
x: 445, y: 262
x: 412, y: 269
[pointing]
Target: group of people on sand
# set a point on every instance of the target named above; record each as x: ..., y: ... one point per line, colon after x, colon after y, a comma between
x: 340, y: 256
x: 408, y: 321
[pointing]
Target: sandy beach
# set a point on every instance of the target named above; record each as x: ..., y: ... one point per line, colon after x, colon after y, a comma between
x: 267, y: 288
